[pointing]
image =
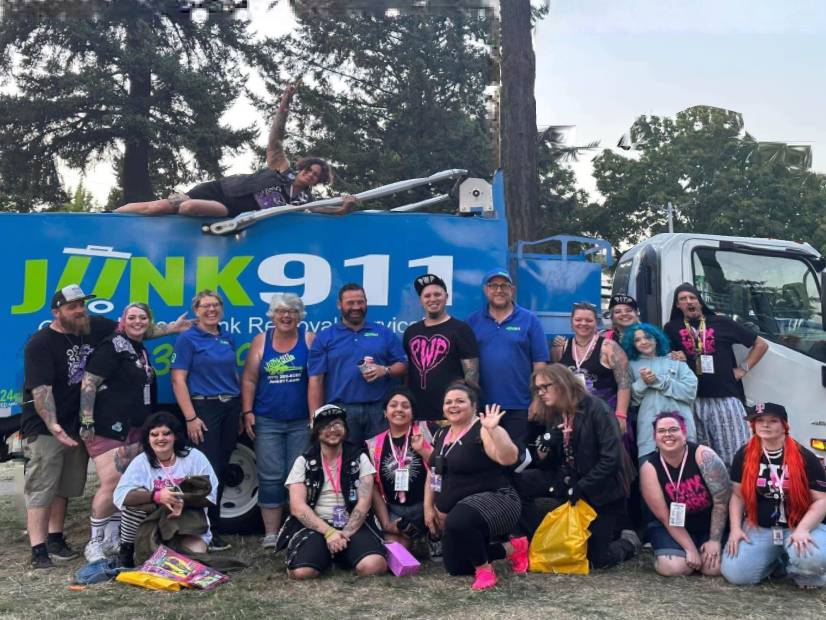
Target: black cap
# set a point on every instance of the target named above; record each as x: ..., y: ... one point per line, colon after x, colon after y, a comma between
x: 68, y: 294
x: 426, y: 280
x: 622, y: 300
x: 326, y: 413
x: 778, y: 411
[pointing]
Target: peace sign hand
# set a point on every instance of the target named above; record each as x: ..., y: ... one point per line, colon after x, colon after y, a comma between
x: 491, y: 416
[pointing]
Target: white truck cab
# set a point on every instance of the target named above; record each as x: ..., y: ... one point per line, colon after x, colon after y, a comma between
x: 773, y: 287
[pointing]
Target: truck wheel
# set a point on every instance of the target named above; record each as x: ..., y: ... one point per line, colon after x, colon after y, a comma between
x: 239, y: 504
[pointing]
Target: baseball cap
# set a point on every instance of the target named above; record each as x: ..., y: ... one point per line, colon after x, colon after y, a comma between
x: 778, y: 411
x: 622, y: 300
x: 426, y: 280
x: 497, y: 273
x: 324, y: 414
x: 68, y: 294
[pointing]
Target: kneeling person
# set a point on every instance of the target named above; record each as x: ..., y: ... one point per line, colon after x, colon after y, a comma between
x: 331, y: 487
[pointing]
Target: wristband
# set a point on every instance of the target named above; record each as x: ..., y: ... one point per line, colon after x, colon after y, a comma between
x: 246, y: 412
x: 387, y: 371
x: 156, y: 497
x: 192, y: 419
x: 621, y: 415
x: 330, y: 533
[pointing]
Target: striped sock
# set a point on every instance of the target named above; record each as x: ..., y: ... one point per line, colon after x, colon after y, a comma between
x: 130, y: 520
x: 98, y: 527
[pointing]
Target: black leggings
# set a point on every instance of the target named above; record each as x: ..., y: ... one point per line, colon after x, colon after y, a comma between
x: 466, y: 542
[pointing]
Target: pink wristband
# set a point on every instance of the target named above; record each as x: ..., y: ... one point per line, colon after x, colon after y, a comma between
x: 620, y: 415
x: 156, y: 497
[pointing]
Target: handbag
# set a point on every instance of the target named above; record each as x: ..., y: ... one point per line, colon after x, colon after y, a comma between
x: 560, y: 543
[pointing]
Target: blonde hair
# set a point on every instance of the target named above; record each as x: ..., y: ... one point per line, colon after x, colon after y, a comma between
x: 196, y: 301
x: 571, y: 393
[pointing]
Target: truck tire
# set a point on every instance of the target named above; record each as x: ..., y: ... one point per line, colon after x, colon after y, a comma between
x: 239, y: 504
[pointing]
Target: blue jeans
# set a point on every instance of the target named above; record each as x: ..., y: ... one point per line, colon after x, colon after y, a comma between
x: 757, y: 559
x: 364, y: 420
x: 277, y: 444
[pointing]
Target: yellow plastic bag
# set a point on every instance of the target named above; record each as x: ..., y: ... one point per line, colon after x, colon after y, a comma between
x: 149, y: 581
x: 560, y: 544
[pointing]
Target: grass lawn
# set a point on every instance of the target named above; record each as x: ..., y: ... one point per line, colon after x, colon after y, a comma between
x: 633, y: 591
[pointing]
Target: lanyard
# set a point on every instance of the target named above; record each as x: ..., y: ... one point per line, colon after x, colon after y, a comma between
x: 400, y: 460
x: 165, y: 471
x: 456, y: 440
x: 578, y: 362
x: 775, y: 481
x: 334, y: 482
x: 676, y: 487
x: 698, y: 334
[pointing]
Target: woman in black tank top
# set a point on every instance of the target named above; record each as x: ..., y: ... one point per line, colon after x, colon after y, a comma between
x: 687, y: 488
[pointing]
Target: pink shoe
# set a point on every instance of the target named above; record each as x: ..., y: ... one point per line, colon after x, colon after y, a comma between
x: 519, y: 557
x: 485, y: 578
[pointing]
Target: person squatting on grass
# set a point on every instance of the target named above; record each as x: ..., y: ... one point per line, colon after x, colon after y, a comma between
x: 780, y: 488
x: 687, y: 489
x: 331, y: 489
x: 469, y: 501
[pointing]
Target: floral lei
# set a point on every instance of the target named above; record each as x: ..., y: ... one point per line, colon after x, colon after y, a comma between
x: 688, y: 341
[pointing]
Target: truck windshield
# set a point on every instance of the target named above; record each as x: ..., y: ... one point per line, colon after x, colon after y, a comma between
x: 776, y: 296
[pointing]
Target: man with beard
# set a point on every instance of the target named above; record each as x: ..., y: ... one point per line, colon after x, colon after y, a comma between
x: 441, y: 350
x: 512, y: 345
x: 705, y: 341
x: 352, y: 363
x: 54, y: 360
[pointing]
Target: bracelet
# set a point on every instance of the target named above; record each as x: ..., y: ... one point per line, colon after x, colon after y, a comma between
x: 156, y: 497
x: 330, y: 533
x: 192, y: 419
x: 620, y: 415
x: 387, y: 371
x: 246, y: 412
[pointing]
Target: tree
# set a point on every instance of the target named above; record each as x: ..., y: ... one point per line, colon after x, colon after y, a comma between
x: 386, y: 98
x: 720, y: 178
x: 82, y: 201
x: 135, y: 81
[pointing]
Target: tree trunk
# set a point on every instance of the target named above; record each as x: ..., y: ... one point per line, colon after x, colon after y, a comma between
x: 518, y: 120
x: 137, y: 186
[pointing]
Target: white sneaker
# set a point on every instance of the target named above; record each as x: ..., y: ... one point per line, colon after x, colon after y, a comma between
x: 111, y: 547
x: 269, y: 541
x: 93, y: 551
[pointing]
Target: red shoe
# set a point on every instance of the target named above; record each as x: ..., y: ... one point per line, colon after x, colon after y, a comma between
x: 519, y: 557
x: 485, y: 578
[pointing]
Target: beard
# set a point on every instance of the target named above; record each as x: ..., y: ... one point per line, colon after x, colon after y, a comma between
x: 79, y: 327
x: 354, y: 317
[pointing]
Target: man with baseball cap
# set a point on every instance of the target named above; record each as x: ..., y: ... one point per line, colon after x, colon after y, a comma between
x: 512, y: 345
x: 54, y: 360
x: 440, y: 349
x: 331, y: 489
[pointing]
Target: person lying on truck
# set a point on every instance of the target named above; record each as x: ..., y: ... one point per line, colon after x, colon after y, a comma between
x: 705, y: 340
x: 54, y: 362
x: 331, y: 490
x: 277, y: 184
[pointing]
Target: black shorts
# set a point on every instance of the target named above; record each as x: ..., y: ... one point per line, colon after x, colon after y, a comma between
x: 309, y: 549
x: 211, y: 190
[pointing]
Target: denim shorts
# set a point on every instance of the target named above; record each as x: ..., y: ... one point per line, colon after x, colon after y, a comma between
x: 663, y: 544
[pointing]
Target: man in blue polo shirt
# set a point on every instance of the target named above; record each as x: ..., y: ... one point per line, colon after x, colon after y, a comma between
x: 512, y: 345
x: 335, y: 369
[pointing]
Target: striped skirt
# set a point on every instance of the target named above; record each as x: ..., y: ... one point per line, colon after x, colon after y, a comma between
x: 721, y: 425
x: 500, y: 509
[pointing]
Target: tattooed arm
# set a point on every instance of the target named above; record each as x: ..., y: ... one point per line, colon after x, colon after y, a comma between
x: 302, y: 511
x: 470, y: 368
x: 181, y: 324
x: 716, y: 477
x: 125, y: 454
x: 359, y: 514
x: 88, y: 389
x: 276, y: 157
x: 45, y: 407
x: 614, y: 357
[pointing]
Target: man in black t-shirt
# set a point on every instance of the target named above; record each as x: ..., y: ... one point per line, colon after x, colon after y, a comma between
x: 705, y: 341
x: 440, y: 350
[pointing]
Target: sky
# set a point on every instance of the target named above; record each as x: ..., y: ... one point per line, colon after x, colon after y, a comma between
x: 602, y: 63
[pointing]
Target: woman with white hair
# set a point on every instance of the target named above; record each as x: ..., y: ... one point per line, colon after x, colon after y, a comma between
x: 274, y: 404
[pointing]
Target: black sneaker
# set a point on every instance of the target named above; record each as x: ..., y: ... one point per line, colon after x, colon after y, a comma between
x: 218, y: 543
x: 41, y: 560
x: 59, y: 551
x: 126, y: 556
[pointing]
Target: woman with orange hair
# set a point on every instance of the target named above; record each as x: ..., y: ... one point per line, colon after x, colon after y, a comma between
x: 780, y: 488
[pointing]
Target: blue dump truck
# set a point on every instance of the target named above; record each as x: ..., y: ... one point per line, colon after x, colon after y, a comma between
x: 164, y: 261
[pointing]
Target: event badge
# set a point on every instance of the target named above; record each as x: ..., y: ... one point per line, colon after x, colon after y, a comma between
x: 707, y: 364
x: 402, y: 479
x: 436, y: 482
x: 147, y: 394
x: 676, y: 515
x: 339, y: 516
x: 777, y: 536
x: 580, y: 376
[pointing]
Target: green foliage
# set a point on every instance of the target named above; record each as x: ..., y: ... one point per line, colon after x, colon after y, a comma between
x: 721, y: 180
x: 384, y: 98
x: 82, y: 201
x: 127, y: 81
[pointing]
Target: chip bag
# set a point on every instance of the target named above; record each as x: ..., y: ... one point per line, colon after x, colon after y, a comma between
x: 560, y: 543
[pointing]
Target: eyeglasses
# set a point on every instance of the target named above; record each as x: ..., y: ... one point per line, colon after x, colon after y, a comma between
x: 334, y: 424
x: 212, y: 306
x: 498, y: 287
x: 674, y: 430
x: 541, y: 388
x: 285, y: 312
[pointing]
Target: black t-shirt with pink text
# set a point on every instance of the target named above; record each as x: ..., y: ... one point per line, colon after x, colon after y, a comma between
x: 691, y: 491
x: 435, y: 357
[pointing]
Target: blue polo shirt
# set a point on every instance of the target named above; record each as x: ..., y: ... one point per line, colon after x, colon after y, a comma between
x: 507, y: 351
x: 336, y: 352
x: 210, y: 360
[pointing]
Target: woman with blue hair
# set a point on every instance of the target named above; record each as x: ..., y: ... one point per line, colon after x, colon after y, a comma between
x: 659, y: 383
